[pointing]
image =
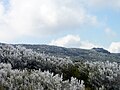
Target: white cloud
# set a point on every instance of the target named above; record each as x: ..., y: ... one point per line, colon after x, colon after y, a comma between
x: 72, y: 41
x: 110, y: 33
x: 41, y: 17
x: 1, y: 11
x: 115, y: 4
x: 5, y: 33
x: 115, y: 47
x: 67, y: 41
x: 87, y: 45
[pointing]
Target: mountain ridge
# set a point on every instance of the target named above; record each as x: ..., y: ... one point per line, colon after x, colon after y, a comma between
x: 94, y: 54
x: 76, y: 54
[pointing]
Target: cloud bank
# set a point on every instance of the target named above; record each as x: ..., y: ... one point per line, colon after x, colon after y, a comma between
x: 41, y: 18
x: 72, y: 41
x: 115, y: 47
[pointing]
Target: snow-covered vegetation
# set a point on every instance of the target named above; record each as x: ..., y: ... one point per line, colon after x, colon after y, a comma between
x: 24, y: 69
x: 34, y: 80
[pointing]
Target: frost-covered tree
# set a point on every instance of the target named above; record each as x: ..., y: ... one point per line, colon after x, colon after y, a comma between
x: 104, y: 74
x: 34, y: 80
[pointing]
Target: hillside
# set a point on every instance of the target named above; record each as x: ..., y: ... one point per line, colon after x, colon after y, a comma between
x: 95, y: 54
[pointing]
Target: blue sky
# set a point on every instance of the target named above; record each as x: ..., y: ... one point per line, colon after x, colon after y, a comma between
x: 69, y: 23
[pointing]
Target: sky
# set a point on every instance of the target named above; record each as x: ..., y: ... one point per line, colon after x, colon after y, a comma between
x: 67, y: 23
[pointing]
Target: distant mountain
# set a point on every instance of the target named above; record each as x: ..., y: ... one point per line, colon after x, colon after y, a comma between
x: 76, y: 54
x: 101, y: 50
